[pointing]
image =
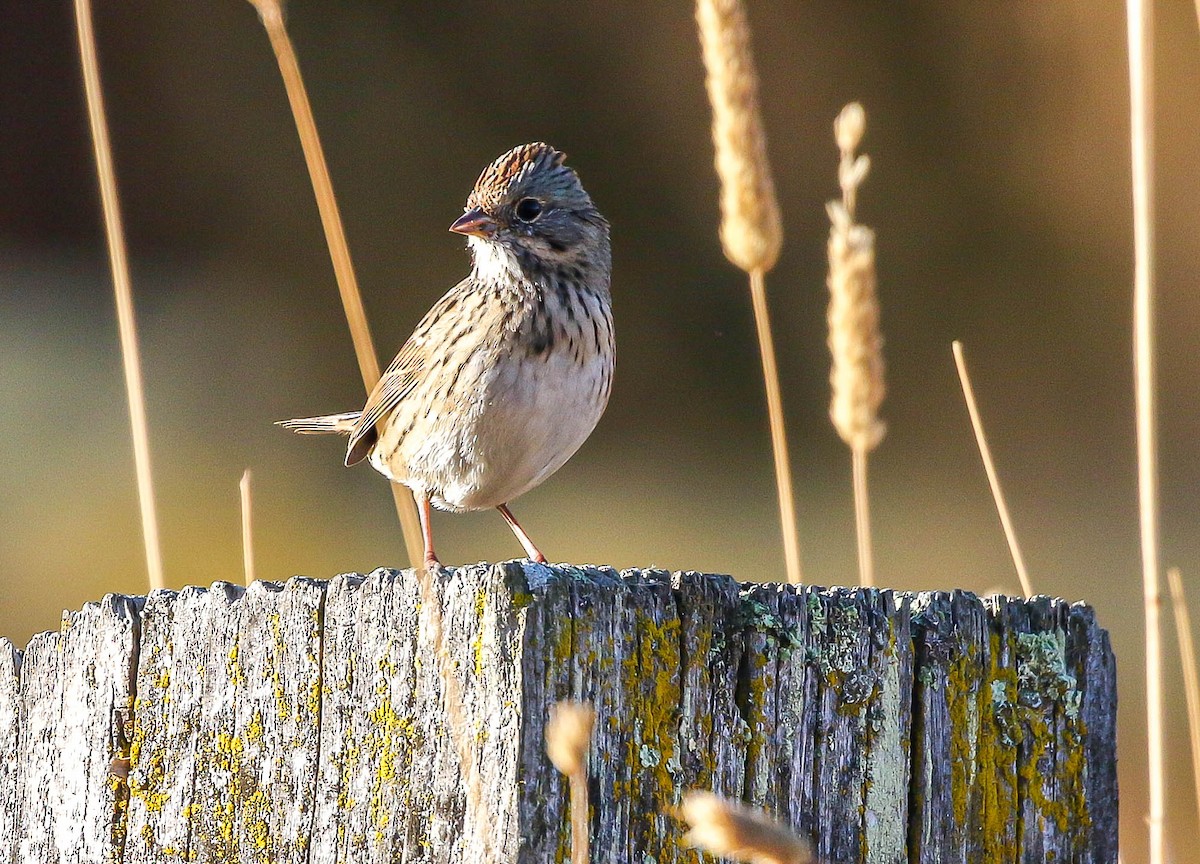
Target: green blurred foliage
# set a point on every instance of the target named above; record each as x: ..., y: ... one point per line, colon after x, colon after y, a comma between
x: 999, y: 191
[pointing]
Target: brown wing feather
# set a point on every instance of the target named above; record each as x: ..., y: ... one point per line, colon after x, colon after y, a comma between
x: 400, y: 379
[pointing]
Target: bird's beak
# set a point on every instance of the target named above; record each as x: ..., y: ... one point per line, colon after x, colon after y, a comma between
x: 474, y: 222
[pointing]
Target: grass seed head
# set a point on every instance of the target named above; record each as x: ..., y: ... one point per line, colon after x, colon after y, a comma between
x: 733, y: 830
x: 855, y: 340
x: 751, y: 227
x: 568, y: 734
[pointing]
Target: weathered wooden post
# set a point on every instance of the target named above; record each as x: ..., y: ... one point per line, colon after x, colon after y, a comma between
x: 307, y: 722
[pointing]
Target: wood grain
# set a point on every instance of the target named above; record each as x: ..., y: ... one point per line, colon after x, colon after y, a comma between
x: 309, y: 722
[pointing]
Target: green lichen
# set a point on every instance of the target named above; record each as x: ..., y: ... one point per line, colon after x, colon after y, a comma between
x: 817, y: 620
x: 1042, y: 672
x: 1054, y: 762
x: 754, y: 615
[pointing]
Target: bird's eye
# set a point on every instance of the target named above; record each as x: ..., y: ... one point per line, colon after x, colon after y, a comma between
x: 529, y: 209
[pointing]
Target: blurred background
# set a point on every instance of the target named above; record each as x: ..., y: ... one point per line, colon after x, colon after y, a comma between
x: 1000, y: 193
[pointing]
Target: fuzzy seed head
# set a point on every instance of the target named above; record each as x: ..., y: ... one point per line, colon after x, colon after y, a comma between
x: 733, y: 830
x: 849, y: 127
x: 568, y: 734
x: 751, y: 227
x: 855, y: 340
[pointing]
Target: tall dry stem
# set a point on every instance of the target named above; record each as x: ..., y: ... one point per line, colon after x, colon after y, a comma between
x: 779, y: 447
x: 126, y: 321
x: 855, y: 341
x: 751, y: 227
x: 1191, y: 677
x: 247, y: 529
x: 271, y: 13
x: 1140, y: 19
x: 989, y: 466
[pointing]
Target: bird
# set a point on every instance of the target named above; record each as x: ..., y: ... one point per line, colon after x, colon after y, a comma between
x: 510, y: 371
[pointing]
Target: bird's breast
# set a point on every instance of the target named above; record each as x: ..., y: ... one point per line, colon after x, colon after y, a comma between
x: 540, y: 397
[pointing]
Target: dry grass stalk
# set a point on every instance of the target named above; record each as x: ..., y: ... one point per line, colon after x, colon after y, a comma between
x: 855, y: 341
x: 862, y: 518
x: 124, y: 293
x: 751, y: 227
x: 779, y: 446
x: 247, y: 529
x: 1191, y: 677
x: 1140, y: 20
x: 271, y: 12
x: 568, y: 735
x: 733, y: 830
x: 989, y: 466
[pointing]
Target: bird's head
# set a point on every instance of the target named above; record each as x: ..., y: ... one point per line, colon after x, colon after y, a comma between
x: 529, y: 213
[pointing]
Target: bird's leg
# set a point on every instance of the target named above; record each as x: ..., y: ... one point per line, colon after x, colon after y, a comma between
x: 530, y: 550
x: 426, y: 529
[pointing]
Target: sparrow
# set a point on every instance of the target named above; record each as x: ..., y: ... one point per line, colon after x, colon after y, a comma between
x: 509, y: 372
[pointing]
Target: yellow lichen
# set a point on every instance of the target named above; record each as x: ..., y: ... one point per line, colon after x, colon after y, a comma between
x: 477, y: 640
x: 389, y: 746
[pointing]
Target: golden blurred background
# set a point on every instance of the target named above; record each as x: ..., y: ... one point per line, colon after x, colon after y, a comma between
x: 1000, y: 193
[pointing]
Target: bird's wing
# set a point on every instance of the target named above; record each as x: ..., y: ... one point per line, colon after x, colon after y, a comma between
x: 401, y: 377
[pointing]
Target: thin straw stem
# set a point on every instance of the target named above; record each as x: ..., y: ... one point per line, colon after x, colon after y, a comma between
x: 247, y: 529
x: 862, y: 518
x: 783, y: 471
x: 989, y: 466
x: 1191, y: 677
x: 124, y: 293
x: 579, y: 817
x: 271, y: 13
x: 1140, y: 16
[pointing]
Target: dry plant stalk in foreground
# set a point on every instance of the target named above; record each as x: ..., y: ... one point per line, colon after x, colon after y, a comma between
x: 271, y: 12
x: 120, y: 271
x: 854, y: 338
x: 985, y: 453
x: 1191, y: 678
x: 733, y: 830
x: 247, y: 529
x: 1140, y: 23
x: 568, y: 735
x: 751, y: 228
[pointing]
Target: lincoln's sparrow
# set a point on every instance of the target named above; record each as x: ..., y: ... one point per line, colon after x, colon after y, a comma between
x: 509, y: 372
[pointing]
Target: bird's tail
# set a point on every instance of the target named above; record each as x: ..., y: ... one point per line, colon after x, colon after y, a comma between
x: 330, y: 424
